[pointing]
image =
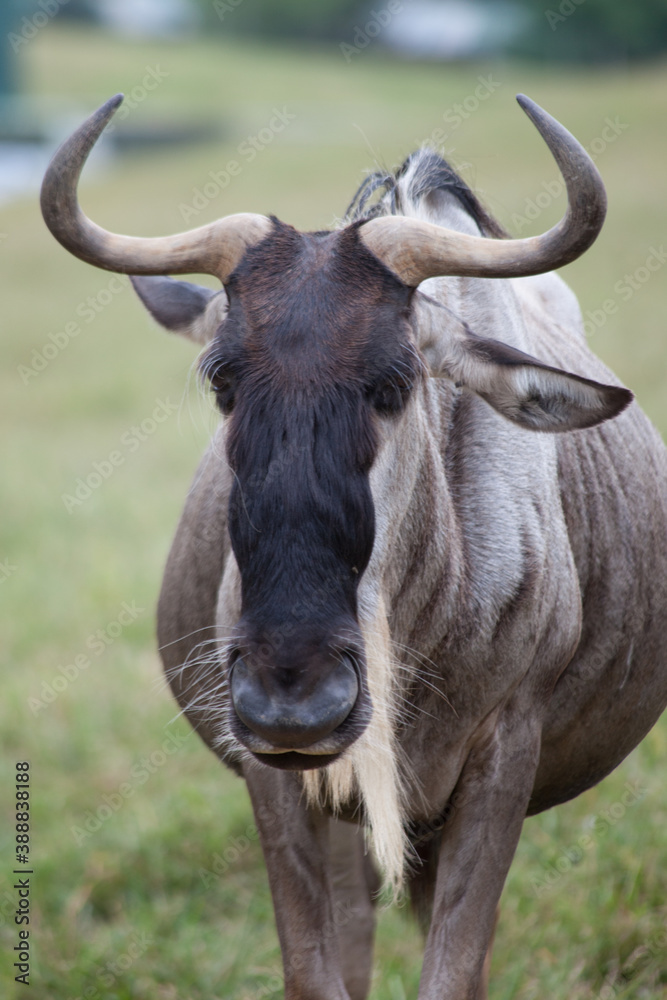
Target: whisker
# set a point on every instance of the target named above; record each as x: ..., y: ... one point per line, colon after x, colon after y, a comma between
x: 187, y: 635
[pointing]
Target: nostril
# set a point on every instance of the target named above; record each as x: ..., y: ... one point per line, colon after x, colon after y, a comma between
x: 285, y: 716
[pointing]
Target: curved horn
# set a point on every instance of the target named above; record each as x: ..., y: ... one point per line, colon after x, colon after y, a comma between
x: 417, y: 250
x: 213, y: 249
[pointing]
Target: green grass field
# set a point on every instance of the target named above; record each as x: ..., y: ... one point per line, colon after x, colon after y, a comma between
x: 131, y: 910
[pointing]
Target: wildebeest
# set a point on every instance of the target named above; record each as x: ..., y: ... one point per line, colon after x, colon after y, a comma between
x: 392, y: 604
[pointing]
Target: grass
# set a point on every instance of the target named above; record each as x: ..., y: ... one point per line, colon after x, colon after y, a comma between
x: 136, y: 909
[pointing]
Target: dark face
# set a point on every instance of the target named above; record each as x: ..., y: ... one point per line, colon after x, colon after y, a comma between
x: 314, y: 351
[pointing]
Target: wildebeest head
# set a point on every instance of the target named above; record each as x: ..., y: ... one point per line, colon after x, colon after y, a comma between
x: 313, y: 354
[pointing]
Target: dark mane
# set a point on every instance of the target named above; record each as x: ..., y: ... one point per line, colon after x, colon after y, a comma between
x: 430, y: 172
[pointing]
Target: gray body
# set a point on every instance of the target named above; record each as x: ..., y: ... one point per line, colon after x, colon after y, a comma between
x: 449, y: 608
x: 527, y: 571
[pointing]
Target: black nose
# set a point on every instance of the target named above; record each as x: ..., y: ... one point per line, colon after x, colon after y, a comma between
x: 284, y: 714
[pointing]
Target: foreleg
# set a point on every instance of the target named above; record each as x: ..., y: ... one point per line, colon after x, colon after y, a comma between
x: 295, y: 842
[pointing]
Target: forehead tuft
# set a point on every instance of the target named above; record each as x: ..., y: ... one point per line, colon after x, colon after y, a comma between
x: 316, y: 302
x: 338, y: 255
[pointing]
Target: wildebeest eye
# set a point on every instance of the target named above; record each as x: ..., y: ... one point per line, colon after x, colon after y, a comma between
x: 390, y: 395
x: 223, y: 384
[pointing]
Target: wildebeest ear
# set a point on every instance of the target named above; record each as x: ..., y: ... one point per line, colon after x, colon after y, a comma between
x: 193, y: 311
x: 525, y: 390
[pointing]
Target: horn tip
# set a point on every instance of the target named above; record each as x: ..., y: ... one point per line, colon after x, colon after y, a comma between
x: 109, y: 108
x: 537, y: 115
x: 104, y: 113
x: 525, y: 103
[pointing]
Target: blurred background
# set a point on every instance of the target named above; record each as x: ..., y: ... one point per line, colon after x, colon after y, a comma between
x: 148, y: 877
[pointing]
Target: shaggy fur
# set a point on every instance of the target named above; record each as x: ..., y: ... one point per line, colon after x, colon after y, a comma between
x: 500, y: 587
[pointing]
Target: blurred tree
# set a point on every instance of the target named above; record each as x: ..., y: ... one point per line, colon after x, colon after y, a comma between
x: 569, y: 30
x: 9, y: 18
x: 565, y: 30
x: 302, y: 19
x: 594, y: 30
